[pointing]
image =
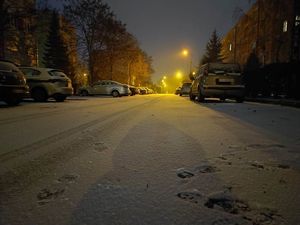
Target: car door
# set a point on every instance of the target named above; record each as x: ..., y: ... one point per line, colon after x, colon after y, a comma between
x: 96, y: 88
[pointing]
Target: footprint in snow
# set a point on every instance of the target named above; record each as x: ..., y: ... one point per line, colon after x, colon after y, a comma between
x: 69, y: 178
x: 47, y: 195
x: 193, y: 196
x: 183, y: 173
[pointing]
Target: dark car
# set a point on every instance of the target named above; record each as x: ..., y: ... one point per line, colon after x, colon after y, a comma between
x: 134, y: 90
x: 185, y: 89
x: 218, y: 80
x: 13, y: 86
x: 177, y: 91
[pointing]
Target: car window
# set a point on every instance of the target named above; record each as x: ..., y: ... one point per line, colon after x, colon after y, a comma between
x: 30, y: 72
x: 57, y: 73
x: 232, y: 69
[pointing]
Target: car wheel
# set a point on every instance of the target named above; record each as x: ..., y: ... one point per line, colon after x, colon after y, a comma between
x: 200, y: 97
x: 12, y: 101
x: 84, y: 93
x: 240, y: 100
x: 39, y: 95
x: 192, y: 97
x: 115, y: 94
x: 60, y: 97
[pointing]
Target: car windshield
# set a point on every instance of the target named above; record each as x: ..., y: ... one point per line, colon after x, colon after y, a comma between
x: 231, y: 69
x: 186, y: 85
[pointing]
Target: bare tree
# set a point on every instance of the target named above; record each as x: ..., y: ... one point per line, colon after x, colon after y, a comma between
x: 90, y: 17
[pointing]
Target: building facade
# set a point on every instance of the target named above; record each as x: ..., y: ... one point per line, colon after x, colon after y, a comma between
x: 17, y: 42
x: 270, y: 30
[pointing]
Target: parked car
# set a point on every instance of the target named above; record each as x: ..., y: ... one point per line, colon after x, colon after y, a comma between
x: 149, y: 90
x: 218, y: 80
x: 105, y: 87
x: 185, y: 89
x: 134, y: 90
x: 13, y: 87
x: 177, y: 91
x: 45, y: 83
x: 143, y: 90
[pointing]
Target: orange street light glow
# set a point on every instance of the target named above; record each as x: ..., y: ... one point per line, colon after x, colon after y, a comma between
x: 185, y: 52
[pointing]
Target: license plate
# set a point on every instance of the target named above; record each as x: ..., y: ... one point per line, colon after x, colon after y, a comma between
x: 226, y: 80
x: 18, y: 91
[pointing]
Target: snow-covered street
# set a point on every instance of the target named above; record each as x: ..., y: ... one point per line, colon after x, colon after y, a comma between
x: 155, y: 159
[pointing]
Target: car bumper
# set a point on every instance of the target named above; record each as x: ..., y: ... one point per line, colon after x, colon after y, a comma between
x: 223, y: 91
x: 14, y: 90
x: 67, y: 91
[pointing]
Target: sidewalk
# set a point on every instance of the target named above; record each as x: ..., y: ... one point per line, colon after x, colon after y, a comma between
x: 280, y: 101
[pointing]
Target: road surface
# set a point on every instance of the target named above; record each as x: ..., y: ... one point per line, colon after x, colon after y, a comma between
x: 156, y: 159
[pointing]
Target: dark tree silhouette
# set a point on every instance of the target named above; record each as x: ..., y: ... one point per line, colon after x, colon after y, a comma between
x: 55, y: 51
x: 213, y: 49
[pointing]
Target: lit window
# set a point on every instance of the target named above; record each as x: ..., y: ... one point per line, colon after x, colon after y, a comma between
x: 230, y: 47
x: 297, y: 21
x: 285, y: 26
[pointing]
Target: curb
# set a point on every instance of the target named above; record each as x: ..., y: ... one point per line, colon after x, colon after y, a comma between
x: 283, y: 102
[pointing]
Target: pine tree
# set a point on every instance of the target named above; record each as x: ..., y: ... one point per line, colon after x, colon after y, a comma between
x: 55, y: 51
x: 213, y: 49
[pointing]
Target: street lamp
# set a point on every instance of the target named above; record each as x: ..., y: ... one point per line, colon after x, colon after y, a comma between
x: 179, y: 75
x: 185, y: 52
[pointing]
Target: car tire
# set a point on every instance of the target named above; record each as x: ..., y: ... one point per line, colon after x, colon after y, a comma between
x: 84, y: 93
x: 192, y: 97
x: 39, y: 95
x: 60, y: 97
x: 115, y: 94
x: 240, y: 100
x: 200, y: 97
x: 12, y: 101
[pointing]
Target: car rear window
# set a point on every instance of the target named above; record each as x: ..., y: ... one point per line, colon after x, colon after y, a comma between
x: 57, y: 73
x: 30, y: 72
x: 232, y: 69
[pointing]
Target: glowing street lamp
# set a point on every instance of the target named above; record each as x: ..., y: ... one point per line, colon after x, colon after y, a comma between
x: 179, y: 75
x: 187, y: 53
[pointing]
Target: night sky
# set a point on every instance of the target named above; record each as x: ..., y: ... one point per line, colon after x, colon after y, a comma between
x: 164, y: 27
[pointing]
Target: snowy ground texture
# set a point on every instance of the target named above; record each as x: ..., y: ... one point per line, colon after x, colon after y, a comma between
x: 157, y: 160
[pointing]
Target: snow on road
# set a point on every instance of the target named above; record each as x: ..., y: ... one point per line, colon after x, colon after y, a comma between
x: 158, y: 159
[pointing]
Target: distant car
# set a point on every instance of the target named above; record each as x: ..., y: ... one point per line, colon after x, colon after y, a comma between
x: 134, y: 90
x: 45, y: 83
x: 143, y: 91
x: 13, y: 86
x: 105, y: 87
x: 185, y: 89
x: 149, y: 90
x: 177, y: 91
x: 218, y: 80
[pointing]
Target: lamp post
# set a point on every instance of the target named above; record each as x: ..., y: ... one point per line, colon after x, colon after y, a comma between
x: 186, y: 53
x: 164, y: 84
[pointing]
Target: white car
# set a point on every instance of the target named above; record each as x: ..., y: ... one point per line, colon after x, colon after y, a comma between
x: 47, y: 83
x: 105, y: 87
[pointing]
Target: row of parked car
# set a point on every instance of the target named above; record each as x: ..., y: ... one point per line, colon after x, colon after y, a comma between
x: 114, y: 88
x: 215, y: 80
x: 18, y: 82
